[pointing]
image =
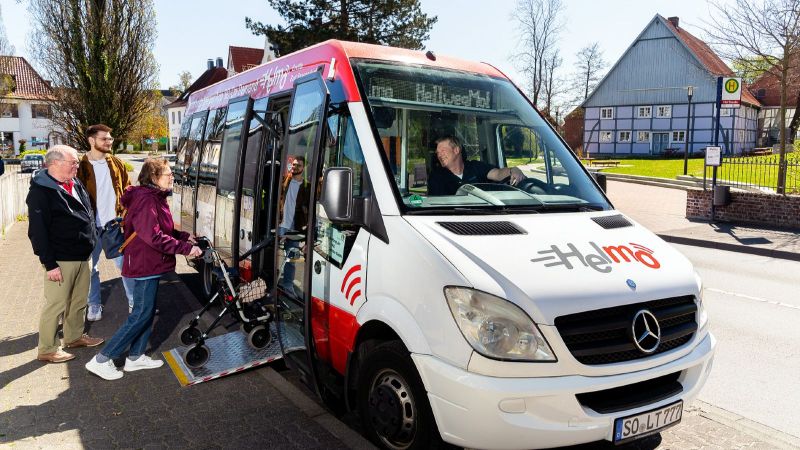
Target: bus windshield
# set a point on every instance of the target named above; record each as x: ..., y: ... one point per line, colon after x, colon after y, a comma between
x: 510, y: 159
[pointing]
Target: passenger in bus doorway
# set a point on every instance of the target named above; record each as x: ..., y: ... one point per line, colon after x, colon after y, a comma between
x: 455, y: 170
x: 294, y: 217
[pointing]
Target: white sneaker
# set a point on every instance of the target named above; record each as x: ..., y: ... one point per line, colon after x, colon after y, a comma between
x: 144, y: 362
x: 106, y: 370
x: 95, y: 313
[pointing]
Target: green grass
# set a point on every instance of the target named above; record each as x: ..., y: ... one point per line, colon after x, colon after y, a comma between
x: 750, y: 172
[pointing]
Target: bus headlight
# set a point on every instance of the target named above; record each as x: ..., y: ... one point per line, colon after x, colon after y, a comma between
x: 495, y: 327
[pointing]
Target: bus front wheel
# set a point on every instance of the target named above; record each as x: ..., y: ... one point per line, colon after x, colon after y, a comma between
x: 392, y: 402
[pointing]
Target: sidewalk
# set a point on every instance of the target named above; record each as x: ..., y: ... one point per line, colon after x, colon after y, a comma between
x: 663, y: 211
x: 64, y: 406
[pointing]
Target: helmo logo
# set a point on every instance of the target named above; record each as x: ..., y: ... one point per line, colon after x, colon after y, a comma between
x: 598, y: 258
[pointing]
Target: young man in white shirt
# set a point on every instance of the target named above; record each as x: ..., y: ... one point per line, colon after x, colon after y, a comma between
x: 105, y: 178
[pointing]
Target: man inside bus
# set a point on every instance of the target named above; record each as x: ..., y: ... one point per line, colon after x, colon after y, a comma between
x: 294, y: 217
x: 455, y: 170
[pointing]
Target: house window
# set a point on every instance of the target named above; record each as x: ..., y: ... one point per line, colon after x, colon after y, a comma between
x: 40, y: 111
x: 741, y: 135
x: 644, y: 112
x: 179, y: 117
x: 642, y: 136
x: 678, y: 136
x: 173, y: 117
x: 624, y: 136
x: 606, y: 113
x: 726, y: 112
x: 605, y: 136
x: 174, y: 140
x: 9, y: 110
x: 664, y: 111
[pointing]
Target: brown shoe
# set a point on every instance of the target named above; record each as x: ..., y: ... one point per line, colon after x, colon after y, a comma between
x: 58, y: 356
x: 85, y: 341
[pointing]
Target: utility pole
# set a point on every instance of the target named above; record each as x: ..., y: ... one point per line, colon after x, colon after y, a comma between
x: 689, y: 92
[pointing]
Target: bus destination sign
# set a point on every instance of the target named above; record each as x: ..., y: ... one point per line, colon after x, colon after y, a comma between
x: 430, y: 93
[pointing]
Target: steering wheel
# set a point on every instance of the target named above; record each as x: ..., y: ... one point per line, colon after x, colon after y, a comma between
x: 533, y: 186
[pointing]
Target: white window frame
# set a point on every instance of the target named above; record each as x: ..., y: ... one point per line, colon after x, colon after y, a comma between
x: 621, y: 139
x: 639, y: 111
x: 664, y: 111
x: 606, y: 136
x: 679, y: 133
x: 639, y: 136
x: 610, y: 111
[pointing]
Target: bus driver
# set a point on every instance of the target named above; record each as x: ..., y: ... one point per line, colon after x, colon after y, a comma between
x: 455, y: 170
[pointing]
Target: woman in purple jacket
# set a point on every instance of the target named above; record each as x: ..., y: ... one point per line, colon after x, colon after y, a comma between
x: 147, y: 257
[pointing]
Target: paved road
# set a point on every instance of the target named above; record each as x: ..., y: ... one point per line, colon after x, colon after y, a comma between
x: 754, y: 312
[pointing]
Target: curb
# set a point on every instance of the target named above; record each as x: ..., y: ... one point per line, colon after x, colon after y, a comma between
x: 771, y: 253
x: 757, y: 430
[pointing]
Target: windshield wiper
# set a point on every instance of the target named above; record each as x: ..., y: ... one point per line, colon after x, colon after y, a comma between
x: 452, y: 211
x: 570, y: 207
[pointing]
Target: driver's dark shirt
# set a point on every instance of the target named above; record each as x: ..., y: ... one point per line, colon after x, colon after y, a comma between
x: 444, y: 182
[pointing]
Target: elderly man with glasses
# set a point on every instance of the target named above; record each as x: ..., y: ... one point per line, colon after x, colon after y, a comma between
x: 62, y: 232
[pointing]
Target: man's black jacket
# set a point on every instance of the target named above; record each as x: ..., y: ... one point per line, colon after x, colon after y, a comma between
x: 60, y: 227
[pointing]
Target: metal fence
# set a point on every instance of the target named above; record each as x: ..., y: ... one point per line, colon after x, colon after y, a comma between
x: 13, y: 190
x: 758, y: 173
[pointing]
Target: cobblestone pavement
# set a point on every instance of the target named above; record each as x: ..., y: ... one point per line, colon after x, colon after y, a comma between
x: 64, y: 406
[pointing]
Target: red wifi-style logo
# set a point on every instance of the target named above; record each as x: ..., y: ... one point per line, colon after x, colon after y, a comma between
x: 351, y: 285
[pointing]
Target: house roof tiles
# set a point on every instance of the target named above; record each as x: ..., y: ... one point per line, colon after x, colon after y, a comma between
x: 28, y: 84
x: 244, y: 58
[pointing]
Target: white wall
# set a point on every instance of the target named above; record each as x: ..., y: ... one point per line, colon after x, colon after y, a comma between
x: 25, y: 126
x: 174, y: 125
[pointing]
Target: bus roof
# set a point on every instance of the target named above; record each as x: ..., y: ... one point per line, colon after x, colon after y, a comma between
x: 279, y: 74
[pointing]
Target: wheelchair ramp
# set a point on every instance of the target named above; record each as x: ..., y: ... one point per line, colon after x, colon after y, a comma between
x: 229, y: 354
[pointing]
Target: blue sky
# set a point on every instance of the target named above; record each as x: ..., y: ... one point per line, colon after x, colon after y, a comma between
x: 191, y: 31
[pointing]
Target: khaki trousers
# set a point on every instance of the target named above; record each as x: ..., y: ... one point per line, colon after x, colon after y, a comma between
x: 67, y: 297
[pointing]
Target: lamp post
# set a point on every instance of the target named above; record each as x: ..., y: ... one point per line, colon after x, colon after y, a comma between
x: 689, y: 92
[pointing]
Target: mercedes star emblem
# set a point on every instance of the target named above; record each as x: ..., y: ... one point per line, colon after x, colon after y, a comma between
x: 646, y: 331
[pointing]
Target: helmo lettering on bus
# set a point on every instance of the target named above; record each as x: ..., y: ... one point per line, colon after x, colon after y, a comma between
x: 600, y: 259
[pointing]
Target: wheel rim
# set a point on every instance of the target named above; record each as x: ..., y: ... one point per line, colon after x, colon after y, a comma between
x: 190, y: 335
x: 393, y: 413
x: 260, y: 337
x: 197, y: 356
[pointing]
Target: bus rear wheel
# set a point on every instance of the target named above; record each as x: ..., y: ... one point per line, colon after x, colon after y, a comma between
x: 392, y: 403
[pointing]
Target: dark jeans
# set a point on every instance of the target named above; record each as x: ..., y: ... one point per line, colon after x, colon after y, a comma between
x: 135, y: 332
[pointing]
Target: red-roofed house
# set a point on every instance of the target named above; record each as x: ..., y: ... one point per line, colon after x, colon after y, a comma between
x: 177, y: 109
x: 25, y: 112
x: 243, y: 58
x: 641, y: 106
x: 767, y: 89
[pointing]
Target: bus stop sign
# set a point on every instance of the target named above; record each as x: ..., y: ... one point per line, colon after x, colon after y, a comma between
x: 731, y: 92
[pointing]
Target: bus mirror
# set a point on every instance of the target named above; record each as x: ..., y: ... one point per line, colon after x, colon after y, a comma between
x: 337, y: 194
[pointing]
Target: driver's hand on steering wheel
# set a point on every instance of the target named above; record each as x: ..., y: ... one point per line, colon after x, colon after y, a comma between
x: 516, y: 175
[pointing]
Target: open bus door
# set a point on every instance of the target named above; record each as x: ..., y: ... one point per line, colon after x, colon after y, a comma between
x: 292, y: 289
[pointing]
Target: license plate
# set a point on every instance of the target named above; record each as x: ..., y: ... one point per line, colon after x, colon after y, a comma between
x: 640, y: 425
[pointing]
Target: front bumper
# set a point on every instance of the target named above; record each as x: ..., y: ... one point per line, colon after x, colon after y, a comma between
x: 479, y: 411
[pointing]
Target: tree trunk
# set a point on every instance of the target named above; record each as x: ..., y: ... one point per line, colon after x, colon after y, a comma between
x: 782, y: 124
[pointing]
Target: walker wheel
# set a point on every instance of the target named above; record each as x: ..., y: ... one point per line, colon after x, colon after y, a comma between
x: 196, y: 356
x: 190, y: 335
x: 245, y: 328
x: 259, y: 337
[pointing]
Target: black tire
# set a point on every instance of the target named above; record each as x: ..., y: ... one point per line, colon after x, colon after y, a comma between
x: 196, y: 356
x: 392, y: 402
x: 190, y: 335
x: 208, y: 281
x: 259, y: 337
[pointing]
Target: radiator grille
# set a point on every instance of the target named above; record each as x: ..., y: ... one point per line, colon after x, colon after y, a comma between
x: 604, y: 336
x: 633, y: 395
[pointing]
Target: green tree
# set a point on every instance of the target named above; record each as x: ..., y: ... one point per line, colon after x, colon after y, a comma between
x: 398, y: 23
x: 751, y: 68
x: 98, y: 53
x: 184, y: 81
